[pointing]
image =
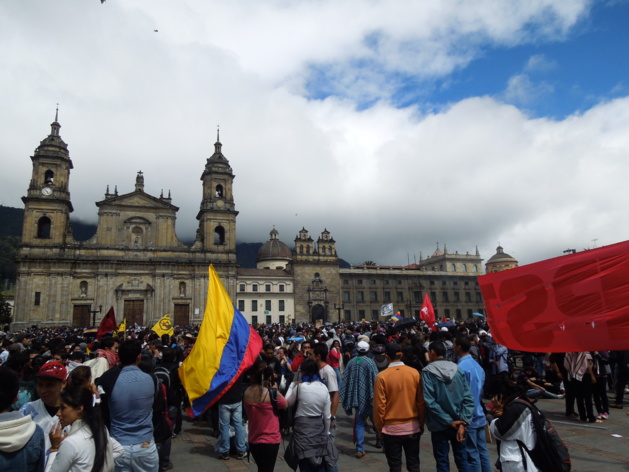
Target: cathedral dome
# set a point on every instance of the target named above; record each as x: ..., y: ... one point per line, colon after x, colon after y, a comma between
x: 274, y: 250
x: 500, y: 261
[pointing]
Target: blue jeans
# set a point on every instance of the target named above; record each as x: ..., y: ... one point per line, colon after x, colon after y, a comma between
x: 441, y: 442
x: 230, y: 414
x: 360, y: 433
x: 141, y: 457
x: 476, y: 446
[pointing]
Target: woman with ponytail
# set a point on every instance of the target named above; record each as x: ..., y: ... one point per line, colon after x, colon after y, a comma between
x: 87, y: 447
x: 262, y: 402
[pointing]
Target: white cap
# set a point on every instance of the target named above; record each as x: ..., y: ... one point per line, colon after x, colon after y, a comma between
x: 481, y: 332
x: 362, y: 346
x: 443, y: 328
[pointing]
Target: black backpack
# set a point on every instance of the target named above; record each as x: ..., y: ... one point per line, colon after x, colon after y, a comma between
x: 550, y: 453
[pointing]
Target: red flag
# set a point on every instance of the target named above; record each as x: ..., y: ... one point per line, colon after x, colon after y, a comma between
x: 107, y: 325
x: 427, y: 313
x: 578, y: 302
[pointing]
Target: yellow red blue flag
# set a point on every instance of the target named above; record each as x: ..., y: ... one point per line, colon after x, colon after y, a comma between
x: 226, y: 347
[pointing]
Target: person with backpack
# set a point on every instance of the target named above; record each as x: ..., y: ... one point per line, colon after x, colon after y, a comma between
x: 526, y: 440
x: 167, y: 372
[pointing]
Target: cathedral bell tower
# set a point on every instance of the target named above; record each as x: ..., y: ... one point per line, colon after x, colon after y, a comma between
x: 217, y: 216
x: 47, y: 205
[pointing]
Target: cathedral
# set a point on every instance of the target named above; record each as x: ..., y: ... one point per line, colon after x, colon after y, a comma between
x: 136, y: 264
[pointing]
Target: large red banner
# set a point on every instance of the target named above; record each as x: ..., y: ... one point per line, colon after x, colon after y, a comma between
x: 578, y: 302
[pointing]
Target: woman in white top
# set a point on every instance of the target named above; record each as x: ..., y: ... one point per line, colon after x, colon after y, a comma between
x: 310, y: 447
x: 87, y: 447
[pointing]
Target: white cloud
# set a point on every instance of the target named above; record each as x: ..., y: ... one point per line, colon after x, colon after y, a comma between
x: 386, y: 182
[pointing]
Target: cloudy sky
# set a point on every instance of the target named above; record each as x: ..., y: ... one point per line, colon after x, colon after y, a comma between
x: 395, y: 124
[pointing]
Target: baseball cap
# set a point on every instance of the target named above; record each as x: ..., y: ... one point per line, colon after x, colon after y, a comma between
x: 362, y: 346
x: 54, y: 370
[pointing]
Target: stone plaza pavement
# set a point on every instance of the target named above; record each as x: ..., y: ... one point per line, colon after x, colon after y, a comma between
x: 593, y: 447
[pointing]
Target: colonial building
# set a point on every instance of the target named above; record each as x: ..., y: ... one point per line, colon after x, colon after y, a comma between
x: 134, y: 262
x: 266, y: 293
x: 448, y: 279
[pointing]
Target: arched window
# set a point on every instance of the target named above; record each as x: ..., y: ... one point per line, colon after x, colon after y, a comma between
x: 301, y: 249
x: 219, y: 191
x: 49, y: 177
x: 219, y: 235
x: 441, y: 267
x: 464, y: 267
x: 43, y: 228
x: 475, y: 268
x: 323, y: 250
x: 453, y: 267
x: 307, y: 249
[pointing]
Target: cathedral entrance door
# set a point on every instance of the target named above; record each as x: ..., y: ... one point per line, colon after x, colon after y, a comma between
x: 134, y: 312
x: 81, y: 316
x: 182, y: 314
x: 318, y: 313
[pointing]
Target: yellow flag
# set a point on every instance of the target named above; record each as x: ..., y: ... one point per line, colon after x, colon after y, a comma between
x: 123, y: 327
x: 164, y: 326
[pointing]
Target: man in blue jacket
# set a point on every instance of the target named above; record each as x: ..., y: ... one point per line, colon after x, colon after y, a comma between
x: 449, y: 408
x: 475, y: 442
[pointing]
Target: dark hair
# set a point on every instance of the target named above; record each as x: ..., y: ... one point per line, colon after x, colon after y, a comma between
x: 438, y: 347
x: 306, y: 341
x: 9, y: 386
x: 463, y: 341
x: 268, y: 346
x: 108, y: 342
x: 393, y: 350
x: 77, y: 396
x: 309, y: 368
x: 77, y: 355
x: 146, y: 363
x: 129, y: 352
x: 321, y: 350
x: 79, y: 376
x: 168, y: 355
x: 262, y: 372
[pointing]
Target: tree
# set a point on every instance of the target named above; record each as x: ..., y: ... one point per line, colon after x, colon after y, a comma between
x: 369, y: 263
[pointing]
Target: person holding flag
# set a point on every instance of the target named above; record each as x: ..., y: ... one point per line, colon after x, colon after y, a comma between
x: 226, y: 347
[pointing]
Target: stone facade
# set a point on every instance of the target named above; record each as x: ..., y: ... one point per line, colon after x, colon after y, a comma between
x: 134, y: 262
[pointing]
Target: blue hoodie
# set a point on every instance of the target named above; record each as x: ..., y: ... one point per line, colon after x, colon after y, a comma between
x: 447, y: 395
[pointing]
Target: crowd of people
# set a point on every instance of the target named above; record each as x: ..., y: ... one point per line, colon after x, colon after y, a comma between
x: 71, y: 403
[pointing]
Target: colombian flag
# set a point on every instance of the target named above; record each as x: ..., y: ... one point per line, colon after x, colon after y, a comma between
x: 225, y: 348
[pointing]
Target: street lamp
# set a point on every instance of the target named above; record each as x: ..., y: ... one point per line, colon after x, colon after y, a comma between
x: 93, y: 312
x: 339, y: 308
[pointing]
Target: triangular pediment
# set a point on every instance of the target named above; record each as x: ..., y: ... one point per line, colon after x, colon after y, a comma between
x: 137, y: 199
